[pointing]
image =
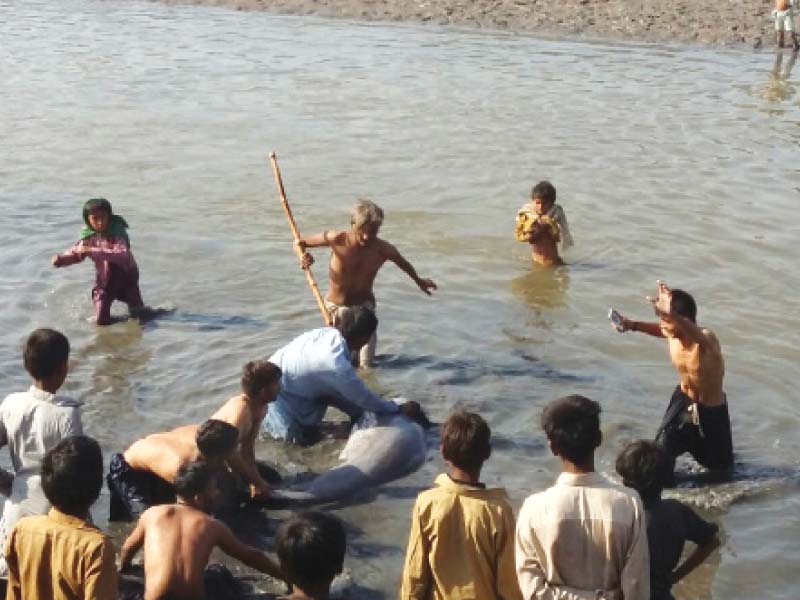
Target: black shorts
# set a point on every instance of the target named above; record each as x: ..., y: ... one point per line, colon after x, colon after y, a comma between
x: 133, y: 492
x: 218, y: 581
x: 710, y: 444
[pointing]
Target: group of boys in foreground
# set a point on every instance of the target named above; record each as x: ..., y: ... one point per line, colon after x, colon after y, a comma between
x: 585, y: 537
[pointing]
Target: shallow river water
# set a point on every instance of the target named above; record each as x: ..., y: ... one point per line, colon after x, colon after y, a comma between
x: 671, y: 162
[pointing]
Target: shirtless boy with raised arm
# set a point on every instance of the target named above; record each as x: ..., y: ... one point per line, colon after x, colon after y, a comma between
x: 356, y: 257
x: 697, y: 419
x: 142, y: 476
x: 261, y: 381
x: 178, y: 539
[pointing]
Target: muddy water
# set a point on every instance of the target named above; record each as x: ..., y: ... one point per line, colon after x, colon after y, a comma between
x: 671, y: 163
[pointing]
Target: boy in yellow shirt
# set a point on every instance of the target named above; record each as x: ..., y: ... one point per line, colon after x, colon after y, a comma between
x: 543, y: 224
x: 461, y: 544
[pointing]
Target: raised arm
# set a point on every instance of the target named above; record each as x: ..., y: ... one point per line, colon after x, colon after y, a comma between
x: 252, y: 557
x: 393, y: 254
x: 653, y: 329
x: 326, y: 238
x: 131, y: 546
x: 684, y: 328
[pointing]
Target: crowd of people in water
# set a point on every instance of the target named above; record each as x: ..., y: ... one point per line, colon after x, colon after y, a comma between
x: 583, y: 538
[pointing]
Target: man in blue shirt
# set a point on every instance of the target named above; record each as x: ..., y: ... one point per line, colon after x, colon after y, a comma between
x: 317, y: 373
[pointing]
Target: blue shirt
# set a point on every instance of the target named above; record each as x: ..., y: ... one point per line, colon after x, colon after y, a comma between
x: 316, y: 365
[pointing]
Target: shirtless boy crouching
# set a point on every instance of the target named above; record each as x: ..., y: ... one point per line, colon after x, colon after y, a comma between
x: 697, y: 419
x: 261, y: 381
x: 178, y: 539
x: 356, y: 257
x: 143, y: 475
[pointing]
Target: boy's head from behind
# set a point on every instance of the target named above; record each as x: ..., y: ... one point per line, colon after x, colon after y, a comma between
x: 261, y: 381
x: 366, y: 219
x: 543, y: 195
x: 572, y: 426
x: 97, y: 214
x: 196, y: 483
x: 46, y: 357
x: 216, y: 439
x: 72, y: 474
x: 466, y: 441
x: 311, y: 547
x: 646, y: 467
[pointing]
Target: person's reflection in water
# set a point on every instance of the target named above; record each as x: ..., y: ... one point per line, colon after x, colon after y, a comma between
x: 779, y: 89
x: 542, y: 287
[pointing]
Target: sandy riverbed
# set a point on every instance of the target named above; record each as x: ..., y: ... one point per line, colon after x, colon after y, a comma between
x: 723, y: 23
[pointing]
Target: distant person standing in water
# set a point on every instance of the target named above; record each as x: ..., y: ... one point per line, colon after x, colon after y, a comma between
x: 356, y: 257
x: 784, y: 21
x: 543, y: 224
x: 104, y: 239
x: 697, y: 419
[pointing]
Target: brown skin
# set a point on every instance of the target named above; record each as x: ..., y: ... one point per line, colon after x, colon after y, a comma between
x: 544, y: 245
x: 178, y: 540
x: 695, y: 352
x: 246, y: 415
x: 356, y: 257
x: 164, y: 453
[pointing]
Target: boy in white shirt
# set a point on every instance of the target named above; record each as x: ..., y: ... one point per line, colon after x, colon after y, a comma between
x: 33, y: 422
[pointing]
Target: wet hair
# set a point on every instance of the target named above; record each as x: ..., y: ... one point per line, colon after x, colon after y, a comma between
x: 366, y: 212
x: 684, y: 305
x: 216, y: 438
x: 545, y: 191
x: 356, y: 323
x: 72, y: 474
x: 96, y: 204
x: 572, y: 425
x: 646, y: 467
x: 311, y: 547
x: 466, y: 440
x: 46, y: 351
x: 193, y: 478
x: 257, y: 375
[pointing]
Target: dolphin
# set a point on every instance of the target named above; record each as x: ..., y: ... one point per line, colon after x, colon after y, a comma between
x: 380, y: 449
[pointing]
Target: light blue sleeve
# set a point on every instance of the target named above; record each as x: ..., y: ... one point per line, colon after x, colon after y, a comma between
x: 348, y: 385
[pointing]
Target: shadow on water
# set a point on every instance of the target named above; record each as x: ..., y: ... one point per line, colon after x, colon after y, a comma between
x: 469, y: 371
x: 211, y: 321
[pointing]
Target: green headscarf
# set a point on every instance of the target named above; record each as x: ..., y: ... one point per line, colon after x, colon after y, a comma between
x: 117, y: 225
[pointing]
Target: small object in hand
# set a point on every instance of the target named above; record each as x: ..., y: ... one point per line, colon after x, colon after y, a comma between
x: 616, y: 320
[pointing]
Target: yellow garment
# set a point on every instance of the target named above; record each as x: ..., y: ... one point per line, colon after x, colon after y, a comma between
x: 60, y: 557
x: 527, y: 219
x: 461, y: 545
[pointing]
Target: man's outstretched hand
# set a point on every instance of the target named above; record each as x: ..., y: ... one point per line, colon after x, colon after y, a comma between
x: 426, y: 285
x: 662, y: 303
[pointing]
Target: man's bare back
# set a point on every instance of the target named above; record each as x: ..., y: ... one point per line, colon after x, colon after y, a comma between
x: 239, y: 413
x: 353, y: 268
x: 178, y: 541
x: 164, y: 453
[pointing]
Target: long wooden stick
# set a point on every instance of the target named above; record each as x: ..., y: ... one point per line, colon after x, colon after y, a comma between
x: 296, y: 233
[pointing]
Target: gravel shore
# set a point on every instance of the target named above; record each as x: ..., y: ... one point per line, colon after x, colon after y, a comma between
x: 721, y: 23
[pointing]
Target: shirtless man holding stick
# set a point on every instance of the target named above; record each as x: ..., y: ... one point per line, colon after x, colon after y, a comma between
x: 356, y: 257
x: 697, y: 419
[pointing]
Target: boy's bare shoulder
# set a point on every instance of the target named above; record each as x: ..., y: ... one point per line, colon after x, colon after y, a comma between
x: 336, y: 237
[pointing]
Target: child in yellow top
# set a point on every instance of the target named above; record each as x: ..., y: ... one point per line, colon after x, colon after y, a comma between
x: 543, y: 224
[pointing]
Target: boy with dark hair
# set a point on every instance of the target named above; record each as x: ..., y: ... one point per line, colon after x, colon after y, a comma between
x: 143, y: 475
x: 104, y: 239
x: 697, y: 419
x: 261, y: 381
x: 543, y: 224
x: 61, y: 555
x: 461, y: 543
x: 311, y: 547
x: 356, y: 257
x: 584, y: 538
x: 318, y: 373
x: 645, y: 467
x: 178, y: 539
x: 33, y: 422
